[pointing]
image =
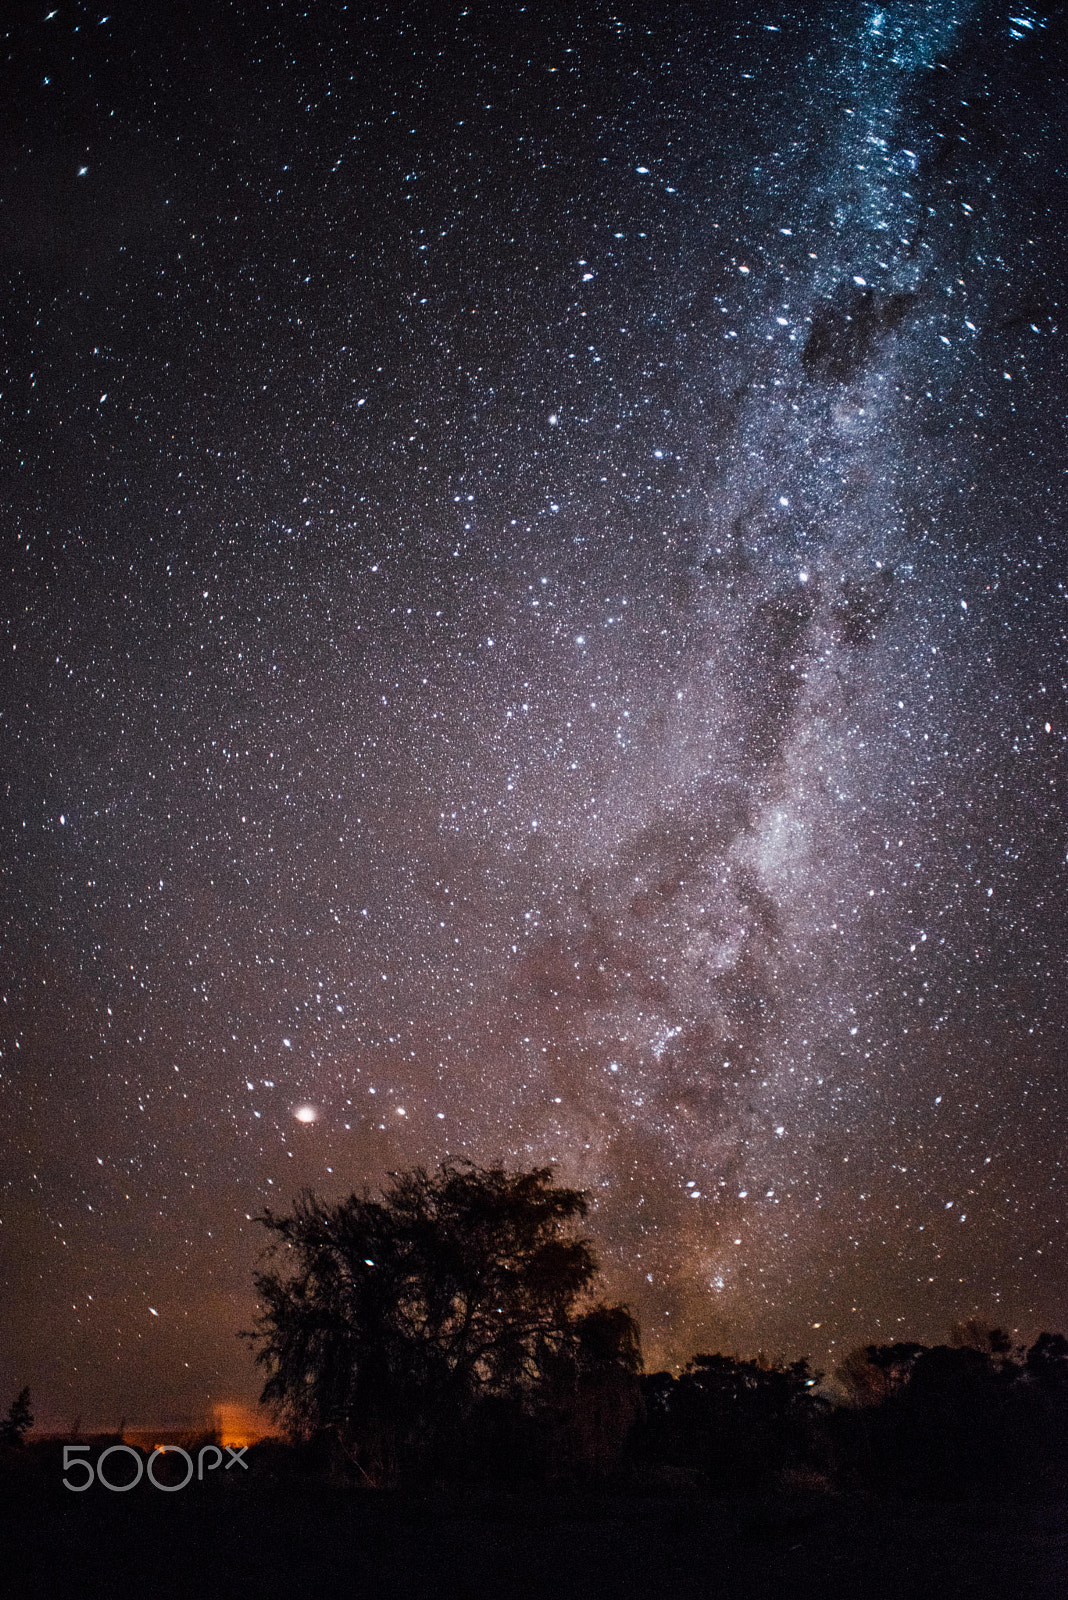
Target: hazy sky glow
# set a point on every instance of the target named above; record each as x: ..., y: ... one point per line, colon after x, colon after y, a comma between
x: 534, y: 628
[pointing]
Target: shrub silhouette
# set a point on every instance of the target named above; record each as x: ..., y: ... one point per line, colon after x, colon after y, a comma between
x: 19, y: 1420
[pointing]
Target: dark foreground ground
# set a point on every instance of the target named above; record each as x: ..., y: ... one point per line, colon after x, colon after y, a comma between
x: 251, y: 1539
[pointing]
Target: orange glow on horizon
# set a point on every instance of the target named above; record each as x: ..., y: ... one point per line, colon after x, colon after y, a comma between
x: 237, y: 1424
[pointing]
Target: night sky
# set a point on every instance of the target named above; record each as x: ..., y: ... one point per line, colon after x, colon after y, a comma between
x: 533, y: 628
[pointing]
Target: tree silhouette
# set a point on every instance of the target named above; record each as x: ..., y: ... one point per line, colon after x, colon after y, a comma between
x: 736, y: 1422
x: 969, y: 1416
x: 975, y: 1334
x: 388, y: 1321
x: 19, y: 1420
x: 874, y: 1373
x: 1047, y: 1362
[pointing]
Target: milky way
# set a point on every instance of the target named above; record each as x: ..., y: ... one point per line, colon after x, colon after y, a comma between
x: 535, y: 630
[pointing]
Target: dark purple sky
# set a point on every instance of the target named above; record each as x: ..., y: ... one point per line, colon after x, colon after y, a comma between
x: 534, y: 626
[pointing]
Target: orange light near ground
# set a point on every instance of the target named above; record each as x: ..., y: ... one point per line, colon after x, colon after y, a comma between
x: 235, y: 1424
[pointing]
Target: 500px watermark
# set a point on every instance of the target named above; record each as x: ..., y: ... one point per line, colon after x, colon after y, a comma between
x: 74, y: 1459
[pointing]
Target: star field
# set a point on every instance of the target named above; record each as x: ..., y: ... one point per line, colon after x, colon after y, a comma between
x: 534, y: 628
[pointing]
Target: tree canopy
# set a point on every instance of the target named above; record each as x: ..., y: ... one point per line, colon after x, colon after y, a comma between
x: 389, y: 1319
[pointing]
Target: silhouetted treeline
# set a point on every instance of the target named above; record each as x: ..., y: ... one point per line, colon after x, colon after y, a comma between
x: 940, y: 1422
x: 974, y: 1417
x: 731, y: 1425
x: 446, y: 1333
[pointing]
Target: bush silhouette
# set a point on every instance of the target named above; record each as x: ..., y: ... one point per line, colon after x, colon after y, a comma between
x: 19, y: 1420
